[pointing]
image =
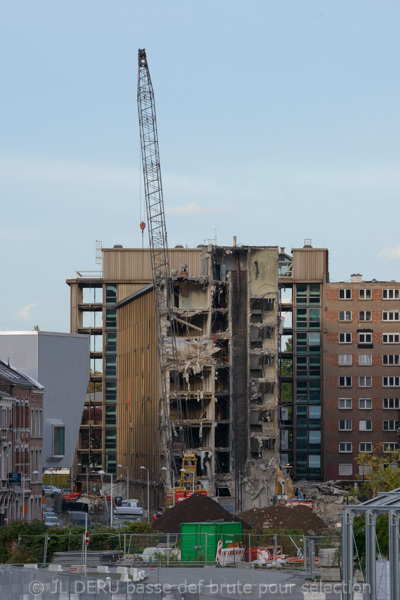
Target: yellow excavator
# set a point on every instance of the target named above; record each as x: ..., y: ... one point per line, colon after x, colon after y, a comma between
x: 187, y: 483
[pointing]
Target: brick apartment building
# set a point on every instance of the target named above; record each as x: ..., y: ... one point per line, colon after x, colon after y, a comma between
x: 21, y: 446
x: 340, y: 379
x: 362, y: 372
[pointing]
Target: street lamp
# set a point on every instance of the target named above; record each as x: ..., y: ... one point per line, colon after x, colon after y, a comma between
x: 127, y: 480
x: 87, y: 477
x: 173, y: 483
x: 51, y: 469
x: 148, y: 492
x: 101, y: 473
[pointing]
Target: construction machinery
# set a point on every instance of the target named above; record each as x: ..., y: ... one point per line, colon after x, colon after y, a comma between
x: 284, y: 491
x: 187, y: 483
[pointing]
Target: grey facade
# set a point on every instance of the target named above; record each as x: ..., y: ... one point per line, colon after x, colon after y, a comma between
x: 60, y: 362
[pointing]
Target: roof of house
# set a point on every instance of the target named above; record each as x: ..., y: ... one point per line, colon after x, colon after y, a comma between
x: 17, y: 378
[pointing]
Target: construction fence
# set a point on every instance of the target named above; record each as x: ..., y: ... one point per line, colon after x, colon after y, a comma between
x: 167, y: 549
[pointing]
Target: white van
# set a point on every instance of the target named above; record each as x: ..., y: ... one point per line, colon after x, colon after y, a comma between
x: 128, y: 513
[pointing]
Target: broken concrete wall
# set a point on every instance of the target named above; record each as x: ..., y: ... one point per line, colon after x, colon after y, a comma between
x: 226, y: 351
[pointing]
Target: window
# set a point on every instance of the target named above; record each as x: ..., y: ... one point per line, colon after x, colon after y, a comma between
x: 364, y: 294
x: 345, y: 294
x: 391, y: 381
x: 314, y: 342
x: 365, y: 447
x: 345, y: 360
x: 365, y: 403
x: 364, y: 469
x: 315, y: 367
x: 390, y: 294
x: 345, y: 469
x: 364, y: 315
x: 345, y: 403
x: 390, y: 315
x: 301, y: 343
x: 390, y: 425
x: 301, y: 293
x: 301, y: 318
x: 391, y: 403
x: 58, y: 440
x: 391, y: 360
x: 344, y: 315
x: 315, y: 318
x: 314, y: 461
x: 301, y: 366
x: 345, y: 425
x: 314, y: 291
x: 314, y: 417
x: 344, y: 381
x: 344, y: 338
x: 390, y: 446
x: 390, y: 338
x: 345, y: 447
x: 314, y: 440
x: 365, y: 382
x: 365, y: 338
x: 111, y: 318
x: 365, y: 360
x: 365, y: 426
x: 111, y: 294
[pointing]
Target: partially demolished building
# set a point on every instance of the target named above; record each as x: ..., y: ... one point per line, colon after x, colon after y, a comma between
x: 223, y: 405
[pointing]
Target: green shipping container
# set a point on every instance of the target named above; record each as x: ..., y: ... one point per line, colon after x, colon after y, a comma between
x: 199, y: 541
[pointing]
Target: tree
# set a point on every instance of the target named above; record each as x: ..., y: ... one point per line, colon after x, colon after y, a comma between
x: 287, y: 371
x: 381, y: 470
x: 36, y: 328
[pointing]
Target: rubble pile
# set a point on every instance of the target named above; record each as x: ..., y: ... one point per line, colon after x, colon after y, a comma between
x: 329, y: 500
x: 196, y: 509
x: 277, y: 517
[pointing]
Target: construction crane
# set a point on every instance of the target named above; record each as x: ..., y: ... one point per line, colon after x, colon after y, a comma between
x: 161, y: 274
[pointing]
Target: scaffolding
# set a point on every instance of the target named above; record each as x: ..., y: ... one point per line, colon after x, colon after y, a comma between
x: 385, y: 503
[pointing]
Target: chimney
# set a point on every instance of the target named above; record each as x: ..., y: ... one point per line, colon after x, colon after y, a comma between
x: 234, y: 240
x: 356, y: 278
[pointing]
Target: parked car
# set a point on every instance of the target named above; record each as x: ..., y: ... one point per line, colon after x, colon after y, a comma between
x: 48, y: 490
x: 51, y: 520
x: 78, y: 517
x: 48, y: 510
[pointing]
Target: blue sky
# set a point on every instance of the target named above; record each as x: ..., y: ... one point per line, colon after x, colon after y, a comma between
x: 278, y: 121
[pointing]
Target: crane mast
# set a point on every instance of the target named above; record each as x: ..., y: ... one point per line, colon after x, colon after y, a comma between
x: 160, y: 267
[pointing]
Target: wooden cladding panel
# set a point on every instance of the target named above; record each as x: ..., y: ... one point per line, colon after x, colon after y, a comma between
x: 133, y: 264
x: 138, y: 397
x: 310, y: 264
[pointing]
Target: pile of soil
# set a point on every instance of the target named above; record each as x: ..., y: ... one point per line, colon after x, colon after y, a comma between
x: 196, y: 509
x: 277, y: 517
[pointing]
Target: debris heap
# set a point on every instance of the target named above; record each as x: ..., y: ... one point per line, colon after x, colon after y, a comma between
x: 277, y: 517
x: 328, y: 498
x: 196, y: 509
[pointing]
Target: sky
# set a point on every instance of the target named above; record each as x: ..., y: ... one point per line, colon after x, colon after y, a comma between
x: 278, y: 121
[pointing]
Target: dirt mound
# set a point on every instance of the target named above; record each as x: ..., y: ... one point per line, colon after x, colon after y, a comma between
x: 301, y: 518
x: 196, y: 509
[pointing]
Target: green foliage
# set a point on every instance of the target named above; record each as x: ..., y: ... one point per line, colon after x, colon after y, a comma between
x: 382, y: 537
x: 383, y: 473
x: 10, y: 533
x: 30, y: 538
